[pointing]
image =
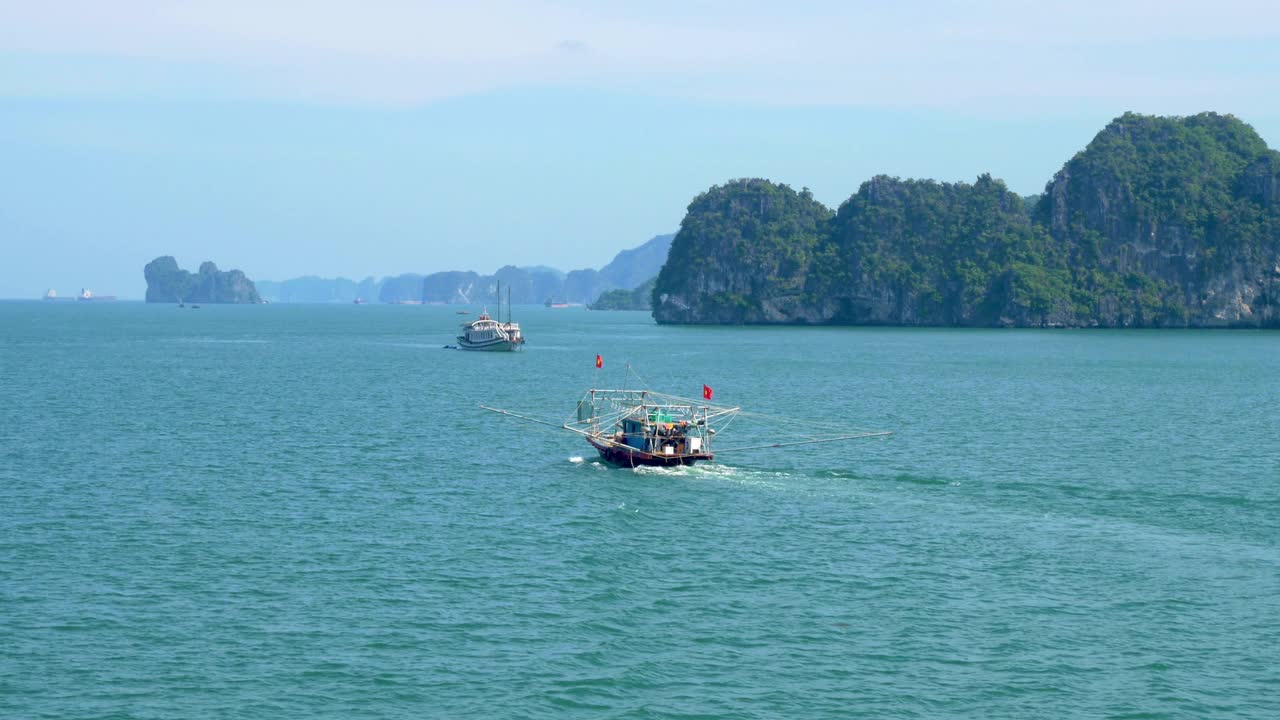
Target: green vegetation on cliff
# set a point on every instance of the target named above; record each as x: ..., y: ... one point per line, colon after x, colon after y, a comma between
x: 741, y: 242
x: 1159, y: 222
x: 924, y: 252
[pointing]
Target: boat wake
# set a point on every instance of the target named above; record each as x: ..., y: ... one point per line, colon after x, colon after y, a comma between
x: 707, y: 472
x: 220, y: 341
x: 890, y: 477
x: 588, y: 463
x: 721, y: 473
x: 414, y: 345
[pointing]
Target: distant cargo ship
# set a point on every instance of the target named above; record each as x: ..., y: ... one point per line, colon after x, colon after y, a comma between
x: 88, y: 296
x: 51, y: 294
x: 557, y: 304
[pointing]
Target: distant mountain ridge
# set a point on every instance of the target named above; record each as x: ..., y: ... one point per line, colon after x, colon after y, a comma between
x: 528, y: 285
x: 314, y: 289
x: 640, y: 298
x: 630, y: 269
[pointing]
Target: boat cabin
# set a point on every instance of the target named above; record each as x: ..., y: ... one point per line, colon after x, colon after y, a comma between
x: 485, y: 333
x: 659, y: 434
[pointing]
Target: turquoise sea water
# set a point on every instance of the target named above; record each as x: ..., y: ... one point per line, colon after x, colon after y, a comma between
x: 299, y: 511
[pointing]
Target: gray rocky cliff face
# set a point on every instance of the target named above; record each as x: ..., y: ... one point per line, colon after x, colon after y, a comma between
x: 1205, y: 247
x: 1260, y: 182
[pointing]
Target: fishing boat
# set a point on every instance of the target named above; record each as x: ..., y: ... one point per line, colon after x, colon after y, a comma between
x: 631, y: 428
x: 644, y: 428
x: 486, y: 333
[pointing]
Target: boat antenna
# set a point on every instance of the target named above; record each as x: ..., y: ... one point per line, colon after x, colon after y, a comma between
x: 630, y: 372
x: 508, y: 304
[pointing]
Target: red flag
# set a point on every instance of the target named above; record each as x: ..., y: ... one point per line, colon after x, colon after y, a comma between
x: 706, y: 393
x: 599, y: 362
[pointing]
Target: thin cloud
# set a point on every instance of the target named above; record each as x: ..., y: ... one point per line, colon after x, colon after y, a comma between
x: 397, y: 51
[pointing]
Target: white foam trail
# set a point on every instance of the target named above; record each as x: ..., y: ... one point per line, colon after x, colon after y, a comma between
x: 575, y: 459
x: 718, y: 472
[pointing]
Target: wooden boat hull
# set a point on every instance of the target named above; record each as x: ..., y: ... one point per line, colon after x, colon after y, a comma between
x: 627, y: 457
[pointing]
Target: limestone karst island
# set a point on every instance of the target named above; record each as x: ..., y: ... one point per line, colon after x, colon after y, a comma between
x: 168, y: 283
x: 1159, y: 222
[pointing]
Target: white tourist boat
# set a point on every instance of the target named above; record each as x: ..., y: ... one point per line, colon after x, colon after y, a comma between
x: 485, y: 333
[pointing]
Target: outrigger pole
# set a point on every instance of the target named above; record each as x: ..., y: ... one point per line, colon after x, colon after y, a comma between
x: 575, y: 431
x: 805, y: 442
x: 524, y: 417
x: 718, y: 450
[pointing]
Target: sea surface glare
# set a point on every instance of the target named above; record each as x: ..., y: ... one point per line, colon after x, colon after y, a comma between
x: 301, y: 512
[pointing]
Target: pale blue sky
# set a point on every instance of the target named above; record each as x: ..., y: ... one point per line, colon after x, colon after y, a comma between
x: 386, y: 136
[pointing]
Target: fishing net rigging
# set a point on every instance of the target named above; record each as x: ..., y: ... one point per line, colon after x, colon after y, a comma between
x: 636, y: 427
